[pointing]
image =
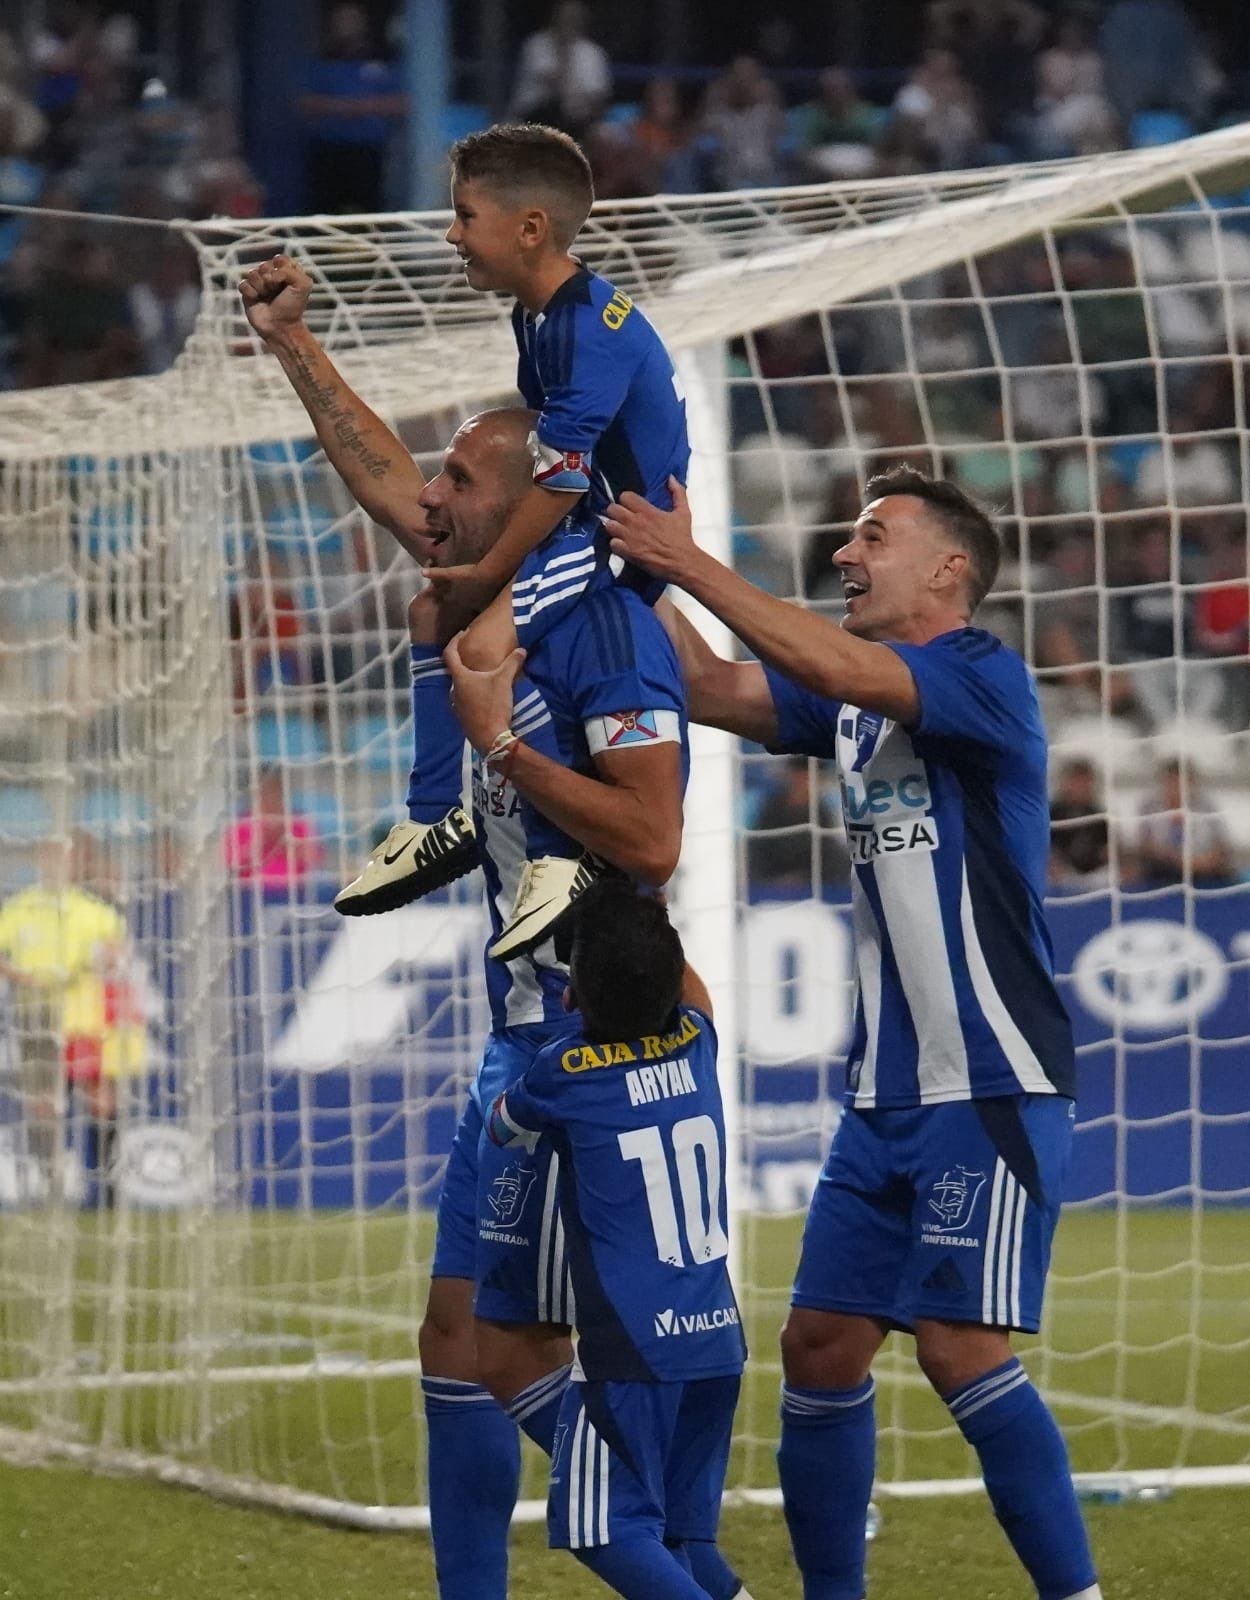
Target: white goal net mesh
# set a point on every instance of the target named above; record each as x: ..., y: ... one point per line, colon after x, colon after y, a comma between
x: 204, y: 725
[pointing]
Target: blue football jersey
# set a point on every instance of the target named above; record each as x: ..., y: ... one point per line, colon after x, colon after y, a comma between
x: 611, y: 412
x: 640, y: 1133
x: 605, y: 677
x: 948, y: 825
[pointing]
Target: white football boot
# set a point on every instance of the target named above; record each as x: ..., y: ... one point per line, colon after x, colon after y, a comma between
x: 413, y: 859
x: 549, y: 890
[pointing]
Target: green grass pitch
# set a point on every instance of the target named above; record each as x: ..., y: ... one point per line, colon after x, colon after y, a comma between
x: 1148, y: 1366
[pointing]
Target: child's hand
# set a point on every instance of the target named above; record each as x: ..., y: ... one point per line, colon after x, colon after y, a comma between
x: 470, y: 587
x: 482, y: 700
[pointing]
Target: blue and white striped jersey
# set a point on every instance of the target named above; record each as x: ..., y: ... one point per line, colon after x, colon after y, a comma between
x: 605, y: 677
x: 611, y: 413
x: 640, y: 1133
x: 948, y: 826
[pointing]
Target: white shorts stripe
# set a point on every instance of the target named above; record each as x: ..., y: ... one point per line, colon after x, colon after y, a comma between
x: 575, y: 1482
x: 589, y: 1456
x: 1006, y: 1221
x: 991, y: 1241
x: 1017, y: 1252
x: 604, y: 1459
x: 544, y: 1243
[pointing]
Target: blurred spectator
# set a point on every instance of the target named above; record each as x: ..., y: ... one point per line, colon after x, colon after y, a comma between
x: 1055, y: 399
x: 1188, y: 471
x: 836, y: 132
x: 1222, y: 625
x: 1180, y: 835
x: 941, y: 105
x: 76, y: 321
x: 266, y: 625
x: 1074, y: 114
x: 163, y: 304
x: 563, y: 77
x: 651, y: 153
x: 25, y: 124
x: 1151, y: 55
x: 1079, y: 837
x: 796, y: 835
x: 994, y: 42
x: 1152, y: 631
x: 743, y: 119
x: 353, y: 100
x: 271, y: 846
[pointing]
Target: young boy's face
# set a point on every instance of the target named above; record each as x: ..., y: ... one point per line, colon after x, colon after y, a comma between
x: 487, y: 236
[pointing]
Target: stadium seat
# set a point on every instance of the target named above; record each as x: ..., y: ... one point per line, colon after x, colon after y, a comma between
x: 1149, y: 128
x: 321, y: 807
x: 25, y: 814
x: 106, y: 810
x: 379, y: 744
x: 461, y: 117
x: 291, y: 738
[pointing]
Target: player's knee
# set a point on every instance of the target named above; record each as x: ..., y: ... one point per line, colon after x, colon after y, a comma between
x: 823, y: 1350
x: 445, y: 1339
x: 953, y: 1354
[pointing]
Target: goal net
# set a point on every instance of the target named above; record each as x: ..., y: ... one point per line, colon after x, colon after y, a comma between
x: 215, y: 1230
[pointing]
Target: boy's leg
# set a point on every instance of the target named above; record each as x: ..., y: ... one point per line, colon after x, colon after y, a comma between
x: 694, y: 1482
x: 437, y: 844
x: 473, y: 1448
x: 605, y: 1502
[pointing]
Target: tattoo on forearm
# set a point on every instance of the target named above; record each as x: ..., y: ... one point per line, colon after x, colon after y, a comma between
x: 321, y: 397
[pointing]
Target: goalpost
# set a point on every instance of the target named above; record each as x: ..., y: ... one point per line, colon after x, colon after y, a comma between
x: 202, y: 639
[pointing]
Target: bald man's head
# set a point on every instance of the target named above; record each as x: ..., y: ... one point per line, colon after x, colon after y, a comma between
x: 486, y: 471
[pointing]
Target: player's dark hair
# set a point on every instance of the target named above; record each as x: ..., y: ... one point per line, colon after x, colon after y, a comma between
x: 527, y: 162
x: 626, y: 966
x: 967, y: 523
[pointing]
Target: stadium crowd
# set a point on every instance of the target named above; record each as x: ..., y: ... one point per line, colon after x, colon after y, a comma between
x: 1154, y: 511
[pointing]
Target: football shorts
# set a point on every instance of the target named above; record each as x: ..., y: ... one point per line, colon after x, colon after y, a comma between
x: 945, y: 1211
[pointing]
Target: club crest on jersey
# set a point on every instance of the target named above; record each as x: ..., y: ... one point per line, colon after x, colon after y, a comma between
x: 630, y: 727
x: 868, y: 727
x: 509, y: 1193
x: 954, y: 1198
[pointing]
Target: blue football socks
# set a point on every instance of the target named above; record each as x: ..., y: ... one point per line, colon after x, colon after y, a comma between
x: 434, y: 786
x: 474, y: 1474
x: 1025, y: 1466
x: 537, y: 1408
x: 826, y: 1462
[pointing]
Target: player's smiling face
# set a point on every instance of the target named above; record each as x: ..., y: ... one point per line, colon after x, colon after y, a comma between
x: 467, y: 503
x: 896, y: 571
x: 486, y: 235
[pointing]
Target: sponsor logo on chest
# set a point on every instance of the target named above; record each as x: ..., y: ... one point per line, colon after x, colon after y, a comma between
x: 886, y: 800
